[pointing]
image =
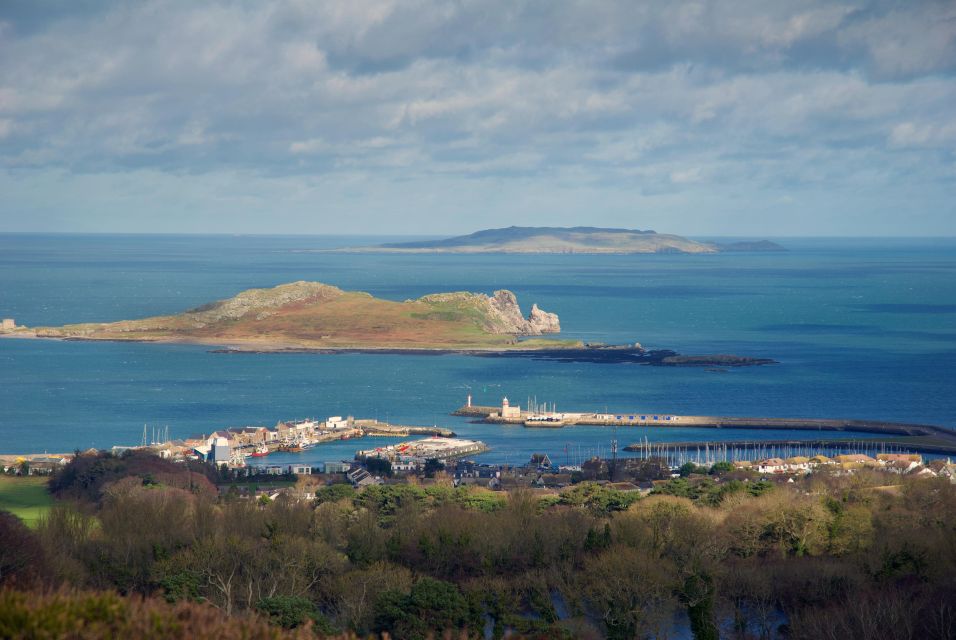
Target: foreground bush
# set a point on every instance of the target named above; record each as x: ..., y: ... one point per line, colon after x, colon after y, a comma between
x: 106, y: 616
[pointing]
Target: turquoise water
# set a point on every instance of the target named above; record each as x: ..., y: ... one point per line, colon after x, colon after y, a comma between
x: 861, y: 328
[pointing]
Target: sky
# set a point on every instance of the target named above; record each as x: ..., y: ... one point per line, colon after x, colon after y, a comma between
x: 744, y: 117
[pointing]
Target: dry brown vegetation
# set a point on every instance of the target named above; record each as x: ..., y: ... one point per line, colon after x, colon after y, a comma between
x: 827, y: 557
x: 316, y: 316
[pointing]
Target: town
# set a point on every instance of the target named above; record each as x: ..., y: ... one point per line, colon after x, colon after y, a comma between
x: 441, y: 457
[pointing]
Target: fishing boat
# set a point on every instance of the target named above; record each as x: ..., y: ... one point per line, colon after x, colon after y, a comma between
x: 261, y: 451
x: 291, y: 448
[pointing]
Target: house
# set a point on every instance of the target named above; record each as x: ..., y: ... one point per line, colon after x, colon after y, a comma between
x: 540, y: 460
x: 948, y: 471
x: 855, y: 461
x: 555, y: 480
x: 300, y: 469
x: 820, y: 459
x: 900, y: 462
x: 908, y: 460
x: 798, y: 463
x: 361, y: 478
x: 473, y: 481
x: 899, y: 466
x: 772, y: 465
x: 45, y: 465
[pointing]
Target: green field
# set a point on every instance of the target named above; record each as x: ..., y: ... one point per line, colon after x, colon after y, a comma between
x: 26, y: 498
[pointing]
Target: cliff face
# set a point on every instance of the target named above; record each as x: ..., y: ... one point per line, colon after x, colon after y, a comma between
x: 499, y: 313
x: 543, y: 321
x: 505, y: 304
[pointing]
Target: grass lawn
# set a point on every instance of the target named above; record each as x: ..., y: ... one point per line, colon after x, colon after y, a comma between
x: 26, y: 497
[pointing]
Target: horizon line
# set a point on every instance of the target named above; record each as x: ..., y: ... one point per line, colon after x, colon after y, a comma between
x: 418, y: 235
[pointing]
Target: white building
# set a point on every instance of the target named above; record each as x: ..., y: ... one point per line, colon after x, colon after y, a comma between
x: 300, y: 469
x: 508, y: 411
x: 336, y: 422
x: 337, y: 467
x: 221, y: 451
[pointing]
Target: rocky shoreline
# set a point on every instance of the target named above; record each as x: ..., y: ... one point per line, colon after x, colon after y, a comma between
x: 602, y: 354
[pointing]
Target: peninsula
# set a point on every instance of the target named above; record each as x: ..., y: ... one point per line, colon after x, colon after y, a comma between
x: 316, y: 316
x: 565, y: 240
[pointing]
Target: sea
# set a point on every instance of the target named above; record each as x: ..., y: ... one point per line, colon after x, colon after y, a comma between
x: 860, y: 328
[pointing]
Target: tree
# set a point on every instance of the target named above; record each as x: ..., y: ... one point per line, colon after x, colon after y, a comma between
x: 21, y: 556
x: 290, y: 612
x: 433, y: 466
x: 379, y: 467
x: 432, y: 606
x: 720, y: 468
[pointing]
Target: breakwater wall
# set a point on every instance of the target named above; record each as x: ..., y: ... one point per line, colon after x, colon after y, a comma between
x: 667, y: 420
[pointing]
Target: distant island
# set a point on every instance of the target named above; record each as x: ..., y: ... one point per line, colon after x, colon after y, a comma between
x: 321, y: 318
x: 566, y: 240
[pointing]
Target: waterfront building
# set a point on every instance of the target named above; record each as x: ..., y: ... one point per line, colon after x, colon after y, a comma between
x: 8, y: 324
x: 222, y: 450
x: 508, y: 411
x: 337, y: 467
x: 336, y: 422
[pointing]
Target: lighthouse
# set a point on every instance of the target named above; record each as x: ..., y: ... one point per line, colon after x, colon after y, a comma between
x: 469, y: 401
x: 507, y: 411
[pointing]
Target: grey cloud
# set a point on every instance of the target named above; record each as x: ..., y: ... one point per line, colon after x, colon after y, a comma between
x: 705, y: 99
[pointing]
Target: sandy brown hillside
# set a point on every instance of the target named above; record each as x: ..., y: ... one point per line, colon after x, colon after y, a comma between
x: 316, y: 315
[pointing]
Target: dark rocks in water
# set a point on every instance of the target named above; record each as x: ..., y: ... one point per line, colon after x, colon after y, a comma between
x: 606, y: 354
x: 749, y: 245
x: 722, y: 360
x: 629, y: 355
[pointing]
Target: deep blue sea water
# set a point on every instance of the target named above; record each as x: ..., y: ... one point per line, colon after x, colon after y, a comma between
x: 862, y: 328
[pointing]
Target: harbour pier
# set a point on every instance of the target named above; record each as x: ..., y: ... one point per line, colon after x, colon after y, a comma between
x: 928, y: 438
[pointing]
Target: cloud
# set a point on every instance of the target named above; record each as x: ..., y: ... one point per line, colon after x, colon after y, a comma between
x: 696, y: 104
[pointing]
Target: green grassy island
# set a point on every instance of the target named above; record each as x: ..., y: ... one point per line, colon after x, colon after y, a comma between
x: 316, y: 316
